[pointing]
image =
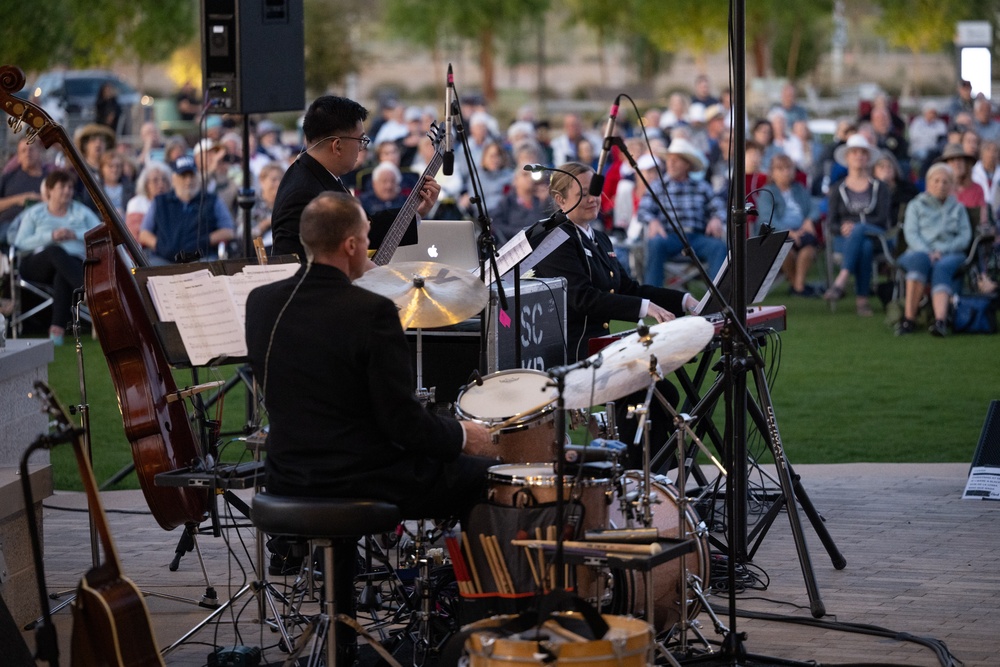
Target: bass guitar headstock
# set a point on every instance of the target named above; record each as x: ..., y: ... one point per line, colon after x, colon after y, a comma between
x: 24, y: 115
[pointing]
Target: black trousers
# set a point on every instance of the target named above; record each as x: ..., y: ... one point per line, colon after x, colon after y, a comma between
x: 54, y: 266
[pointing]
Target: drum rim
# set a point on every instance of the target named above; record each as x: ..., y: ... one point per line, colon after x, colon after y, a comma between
x: 517, y: 418
x: 545, y: 481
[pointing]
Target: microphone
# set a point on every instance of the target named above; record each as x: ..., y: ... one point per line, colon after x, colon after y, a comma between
x: 598, y: 450
x: 535, y: 168
x: 449, y: 125
x: 597, y: 182
x: 475, y: 377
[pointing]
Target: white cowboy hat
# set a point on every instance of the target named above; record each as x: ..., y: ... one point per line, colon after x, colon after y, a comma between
x: 687, y: 150
x: 855, y: 141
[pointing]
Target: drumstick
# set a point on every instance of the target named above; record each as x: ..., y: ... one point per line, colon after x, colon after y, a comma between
x: 516, y: 418
x: 611, y: 547
x: 471, y: 563
x: 541, y: 560
x: 494, y: 569
x: 504, y: 570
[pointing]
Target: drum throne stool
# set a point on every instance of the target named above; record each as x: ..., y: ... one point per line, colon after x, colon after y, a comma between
x: 324, y: 522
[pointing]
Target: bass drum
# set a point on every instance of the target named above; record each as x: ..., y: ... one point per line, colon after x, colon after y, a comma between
x: 631, y: 594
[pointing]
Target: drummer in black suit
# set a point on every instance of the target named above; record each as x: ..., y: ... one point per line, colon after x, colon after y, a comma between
x: 335, y: 137
x: 598, y: 289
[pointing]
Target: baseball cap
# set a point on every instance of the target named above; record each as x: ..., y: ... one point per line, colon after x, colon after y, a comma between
x: 183, y: 165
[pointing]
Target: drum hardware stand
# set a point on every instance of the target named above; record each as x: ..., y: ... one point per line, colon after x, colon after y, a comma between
x: 644, y: 503
x: 738, y: 352
x: 424, y: 395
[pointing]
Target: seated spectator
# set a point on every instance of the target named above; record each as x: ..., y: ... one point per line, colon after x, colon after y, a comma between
x: 519, y: 208
x: 763, y: 134
x: 22, y: 185
x: 699, y: 212
x: 263, y: 206
x: 50, y: 244
x: 495, y: 175
x: 984, y: 124
x: 902, y: 190
x: 186, y: 223
x: 858, y: 208
x: 925, y: 132
x: 937, y: 236
x: 986, y: 173
x: 794, y: 111
x: 888, y: 137
x: 211, y: 164
x: 118, y: 187
x: 92, y: 141
x: 153, y: 181
x: 968, y: 193
x: 385, y: 193
x: 791, y: 207
x: 804, y: 150
x: 175, y: 147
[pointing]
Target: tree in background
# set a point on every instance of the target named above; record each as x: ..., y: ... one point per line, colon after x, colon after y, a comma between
x: 926, y: 26
x: 32, y: 33
x: 800, y: 38
x: 428, y: 22
x: 334, y: 44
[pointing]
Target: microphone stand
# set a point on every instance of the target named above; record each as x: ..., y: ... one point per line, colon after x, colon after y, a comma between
x: 487, y: 244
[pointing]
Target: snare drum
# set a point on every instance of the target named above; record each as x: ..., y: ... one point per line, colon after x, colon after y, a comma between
x: 666, y: 577
x: 524, y: 403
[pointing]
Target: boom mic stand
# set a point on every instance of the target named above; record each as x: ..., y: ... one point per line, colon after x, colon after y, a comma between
x: 487, y: 244
x: 739, y: 353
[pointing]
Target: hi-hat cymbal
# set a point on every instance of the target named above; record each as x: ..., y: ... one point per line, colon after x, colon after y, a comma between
x: 428, y: 294
x: 624, y: 365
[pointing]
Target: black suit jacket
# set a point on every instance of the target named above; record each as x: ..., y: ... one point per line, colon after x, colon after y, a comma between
x: 339, y: 392
x: 598, y: 289
x: 303, y: 180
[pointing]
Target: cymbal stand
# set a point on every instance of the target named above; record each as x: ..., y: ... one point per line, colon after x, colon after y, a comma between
x: 645, y: 500
x: 424, y: 395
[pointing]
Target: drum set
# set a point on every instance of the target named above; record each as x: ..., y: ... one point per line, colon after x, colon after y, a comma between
x: 521, y: 409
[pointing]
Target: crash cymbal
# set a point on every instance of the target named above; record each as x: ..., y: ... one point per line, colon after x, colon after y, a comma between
x: 623, y: 367
x: 428, y: 294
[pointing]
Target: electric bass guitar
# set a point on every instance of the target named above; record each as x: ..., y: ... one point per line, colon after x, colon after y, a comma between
x: 399, y: 226
x: 111, y: 625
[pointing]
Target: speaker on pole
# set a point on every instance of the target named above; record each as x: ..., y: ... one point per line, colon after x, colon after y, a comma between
x: 253, y: 55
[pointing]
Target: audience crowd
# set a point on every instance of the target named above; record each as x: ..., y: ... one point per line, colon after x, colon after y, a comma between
x: 180, y: 198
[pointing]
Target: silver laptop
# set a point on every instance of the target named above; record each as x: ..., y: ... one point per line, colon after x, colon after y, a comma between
x: 451, y: 242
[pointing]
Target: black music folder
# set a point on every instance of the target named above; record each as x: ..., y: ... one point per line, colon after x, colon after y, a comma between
x: 764, y: 257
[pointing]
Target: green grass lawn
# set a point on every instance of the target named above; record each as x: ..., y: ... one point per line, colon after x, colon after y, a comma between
x: 846, y: 390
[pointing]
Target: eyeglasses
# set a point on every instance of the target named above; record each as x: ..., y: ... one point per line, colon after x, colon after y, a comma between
x: 364, y: 140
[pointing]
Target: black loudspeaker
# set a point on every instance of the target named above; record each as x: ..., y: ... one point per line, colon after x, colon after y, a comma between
x: 253, y: 55
x: 988, y: 450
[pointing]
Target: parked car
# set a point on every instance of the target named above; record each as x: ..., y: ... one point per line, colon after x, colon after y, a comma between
x: 70, y: 97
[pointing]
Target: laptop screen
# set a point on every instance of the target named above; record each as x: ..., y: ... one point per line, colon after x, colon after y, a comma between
x: 451, y: 242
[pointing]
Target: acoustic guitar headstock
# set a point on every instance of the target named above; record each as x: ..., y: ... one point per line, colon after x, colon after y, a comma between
x: 23, y: 114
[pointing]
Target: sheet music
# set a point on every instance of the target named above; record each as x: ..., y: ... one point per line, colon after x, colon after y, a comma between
x: 255, y: 275
x: 555, y: 238
x: 510, y: 254
x: 210, y: 310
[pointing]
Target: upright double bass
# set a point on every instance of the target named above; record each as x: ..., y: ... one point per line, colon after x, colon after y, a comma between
x: 159, y: 431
